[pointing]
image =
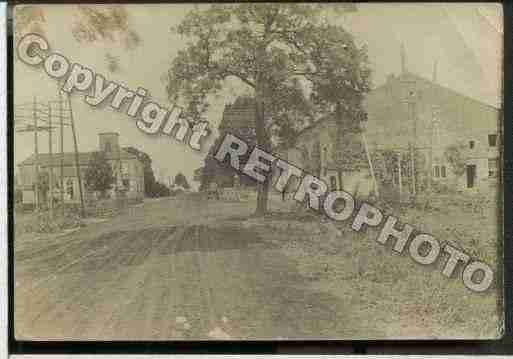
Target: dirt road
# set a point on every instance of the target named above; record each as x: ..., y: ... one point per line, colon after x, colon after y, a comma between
x: 164, y: 272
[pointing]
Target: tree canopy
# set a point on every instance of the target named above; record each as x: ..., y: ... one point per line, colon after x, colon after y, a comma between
x: 98, y: 174
x: 298, y: 65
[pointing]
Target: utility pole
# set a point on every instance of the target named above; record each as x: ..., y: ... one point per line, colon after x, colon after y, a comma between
x: 413, y: 149
x: 36, y: 159
x: 412, y: 118
x: 77, y: 163
x: 434, y: 140
x: 400, y: 175
x: 50, y: 173
x: 61, y: 118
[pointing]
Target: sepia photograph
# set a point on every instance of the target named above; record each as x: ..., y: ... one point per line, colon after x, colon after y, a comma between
x: 257, y: 171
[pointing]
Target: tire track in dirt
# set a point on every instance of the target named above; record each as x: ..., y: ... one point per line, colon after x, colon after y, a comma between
x: 123, y: 322
x: 183, y: 292
x: 162, y: 316
x: 191, y: 302
x: 47, y: 265
x: 104, y: 302
x: 53, y: 307
x: 207, y: 239
x: 125, y: 262
x: 156, y: 313
x: 147, y: 303
x: 34, y: 264
x: 206, y: 278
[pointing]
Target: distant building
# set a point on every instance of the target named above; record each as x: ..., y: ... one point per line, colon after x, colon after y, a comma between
x: 238, y: 119
x: 128, y: 171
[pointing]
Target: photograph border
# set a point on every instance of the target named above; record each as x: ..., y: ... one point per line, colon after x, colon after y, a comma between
x: 502, y: 346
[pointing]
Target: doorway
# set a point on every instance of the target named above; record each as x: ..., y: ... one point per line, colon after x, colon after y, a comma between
x: 471, y: 176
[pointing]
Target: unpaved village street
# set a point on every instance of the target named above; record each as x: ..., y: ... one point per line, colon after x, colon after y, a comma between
x: 161, y: 272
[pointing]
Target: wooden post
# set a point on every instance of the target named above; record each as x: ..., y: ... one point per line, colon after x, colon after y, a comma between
x: 50, y: 174
x: 77, y: 162
x: 36, y: 159
x: 61, y: 117
x: 364, y: 139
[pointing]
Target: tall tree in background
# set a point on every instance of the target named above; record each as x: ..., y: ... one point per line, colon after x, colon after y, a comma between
x: 271, y: 48
x: 99, y: 175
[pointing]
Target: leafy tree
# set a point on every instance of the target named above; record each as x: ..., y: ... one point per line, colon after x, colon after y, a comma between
x: 273, y: 49
x: 91, y: 23
x: 181, y: 180
x: 98, y: 175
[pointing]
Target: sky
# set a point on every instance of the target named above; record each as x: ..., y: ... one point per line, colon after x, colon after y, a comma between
x: 464, y: 39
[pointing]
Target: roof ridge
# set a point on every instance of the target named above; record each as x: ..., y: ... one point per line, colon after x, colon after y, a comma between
x: 420, y: 77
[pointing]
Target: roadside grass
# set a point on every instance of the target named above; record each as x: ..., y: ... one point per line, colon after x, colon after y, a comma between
x: 43, y: 223
x: 390, y: 290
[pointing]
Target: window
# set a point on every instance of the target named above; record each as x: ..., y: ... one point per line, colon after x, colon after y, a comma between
x: 471, y: 144
x: 69, y: 188
x: 126, y: 184
x: 443, y: 172
x: 493, y: 167
x: 492, y: 140
x: 325, y: 171
x: 437, y: 171
x: 108, y: 147
x: 333, y: 183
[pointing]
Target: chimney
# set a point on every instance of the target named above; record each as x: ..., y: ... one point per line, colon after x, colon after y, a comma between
x: 109, y: 143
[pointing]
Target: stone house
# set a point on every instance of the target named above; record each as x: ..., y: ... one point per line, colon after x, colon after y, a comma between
x: 409, y: 111
x: 127, y: 169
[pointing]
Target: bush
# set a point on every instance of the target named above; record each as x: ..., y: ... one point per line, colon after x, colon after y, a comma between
x: 43, y: 223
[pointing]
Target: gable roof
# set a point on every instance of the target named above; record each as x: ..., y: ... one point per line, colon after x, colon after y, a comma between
x: 425, y: 81
x: 45, y: 159
x: 407, y: 75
